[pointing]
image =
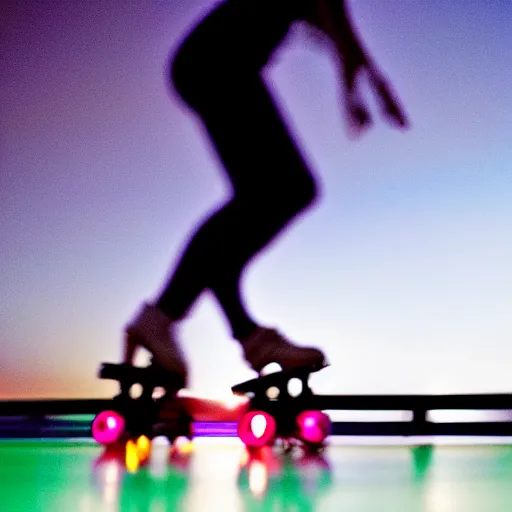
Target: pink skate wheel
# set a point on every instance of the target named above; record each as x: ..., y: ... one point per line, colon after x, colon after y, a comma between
x: 314, y: 426
x: 108, y: 427
x: 257, y: 429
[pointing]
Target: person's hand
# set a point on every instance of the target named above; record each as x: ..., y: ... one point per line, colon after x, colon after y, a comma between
x: 391, y: 109
x: 332, y: 18
x: 357, y: 111
x: 355, y: 65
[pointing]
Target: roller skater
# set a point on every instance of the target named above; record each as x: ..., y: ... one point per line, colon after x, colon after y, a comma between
x: 217, y: 73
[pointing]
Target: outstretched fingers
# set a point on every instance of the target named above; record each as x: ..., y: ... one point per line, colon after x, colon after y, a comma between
x: 392, y: 111
x: 358, y: 114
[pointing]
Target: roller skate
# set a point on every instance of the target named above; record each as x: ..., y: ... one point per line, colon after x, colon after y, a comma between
x: 153, y: 330
x: 279, y: 410
x: 147, y: 405
x: 154, y: 409
x: 267, y: 346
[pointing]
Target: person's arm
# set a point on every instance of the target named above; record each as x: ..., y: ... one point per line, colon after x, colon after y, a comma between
x: 332, y: 18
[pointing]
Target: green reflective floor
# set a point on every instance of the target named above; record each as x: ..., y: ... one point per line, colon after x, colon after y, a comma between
x: 218, y: 476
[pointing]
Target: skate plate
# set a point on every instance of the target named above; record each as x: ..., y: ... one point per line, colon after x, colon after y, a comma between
x: 148, y: 377
x: 258, y: 387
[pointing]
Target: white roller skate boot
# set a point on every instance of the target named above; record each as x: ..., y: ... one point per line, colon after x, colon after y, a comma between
x: 153, y: 330
x: 267, y: 346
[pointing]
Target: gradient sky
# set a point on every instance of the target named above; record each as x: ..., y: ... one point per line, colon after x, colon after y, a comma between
x: 401, y: 273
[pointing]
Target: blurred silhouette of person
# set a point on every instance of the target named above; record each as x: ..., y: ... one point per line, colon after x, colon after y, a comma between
x: 217, y: 73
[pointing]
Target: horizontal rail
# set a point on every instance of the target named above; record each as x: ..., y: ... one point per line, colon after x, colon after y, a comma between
x: 57, y: 407
x: 415, y: 403
x: 409, y: 429
x: 410, y: 402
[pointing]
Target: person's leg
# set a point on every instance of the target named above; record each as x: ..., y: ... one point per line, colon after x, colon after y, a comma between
x: 272, y: 185
x: 210, y: 262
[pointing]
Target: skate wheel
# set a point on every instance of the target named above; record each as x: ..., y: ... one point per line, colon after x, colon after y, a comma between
x: 314, y: 426
x: 257, y: 429
x: 108, y: 427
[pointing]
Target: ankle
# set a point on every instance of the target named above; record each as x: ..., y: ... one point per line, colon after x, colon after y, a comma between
x: 247, y: 334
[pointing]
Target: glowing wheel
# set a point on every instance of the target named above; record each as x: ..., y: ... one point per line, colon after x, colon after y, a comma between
x: 314, y: 426
x: 257, y: 429
x: 108, y: 427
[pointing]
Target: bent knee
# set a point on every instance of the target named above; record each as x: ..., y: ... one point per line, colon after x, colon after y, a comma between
x: 295, y: 197
x: 309, y: 192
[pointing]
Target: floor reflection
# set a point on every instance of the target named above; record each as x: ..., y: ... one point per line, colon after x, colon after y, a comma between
x: 136, y: 477
x: 269, y: 480
x: 218, y: 474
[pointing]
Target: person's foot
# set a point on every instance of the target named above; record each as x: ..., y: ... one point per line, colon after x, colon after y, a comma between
x: 266, y: 346
x: 153, y: 330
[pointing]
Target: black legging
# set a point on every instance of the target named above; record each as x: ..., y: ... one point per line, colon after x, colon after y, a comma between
x: 270, y: 180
